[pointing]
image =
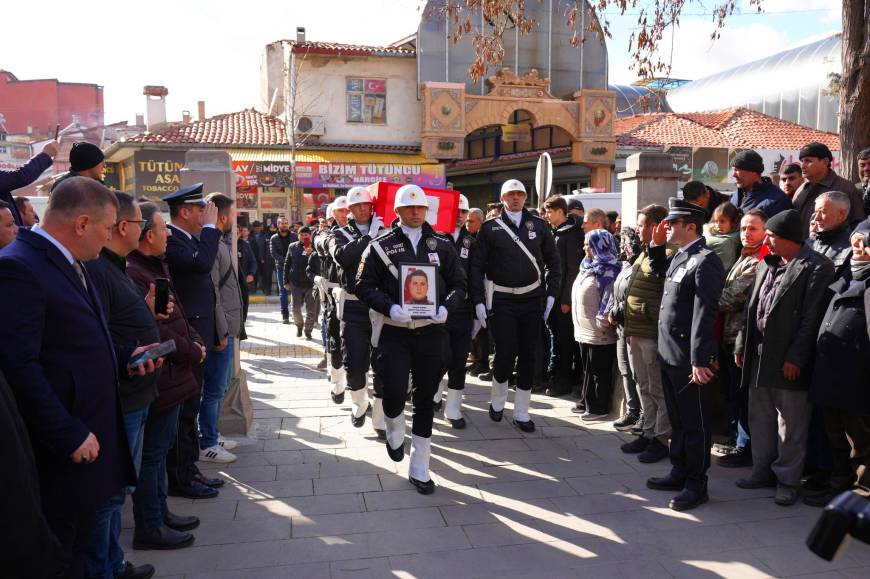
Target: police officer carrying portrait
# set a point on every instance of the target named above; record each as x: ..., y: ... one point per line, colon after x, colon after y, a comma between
x: 345, y: 247
x: 694, y: 278
x: 515, y: 277
x: 409, y: 345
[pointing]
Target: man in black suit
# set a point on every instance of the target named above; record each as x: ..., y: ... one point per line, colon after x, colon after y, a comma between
x: 190, y: 253
x: 694, y: 277
x: 62, y: 365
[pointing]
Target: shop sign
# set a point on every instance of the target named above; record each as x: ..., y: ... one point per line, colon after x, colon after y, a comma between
x: 246, y: 197
x: 112, y: 176
x: 516, y: 133
x: 345, y: 175
x: 251, y: 174
x: 157, y: 172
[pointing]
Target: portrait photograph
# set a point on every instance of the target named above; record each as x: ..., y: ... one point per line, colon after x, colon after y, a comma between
x: 419, y: 290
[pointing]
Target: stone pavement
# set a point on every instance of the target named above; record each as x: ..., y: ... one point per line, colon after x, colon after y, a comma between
x: 313, y: 497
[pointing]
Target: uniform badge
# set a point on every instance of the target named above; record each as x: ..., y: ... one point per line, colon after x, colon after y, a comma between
x: 466, y: 241
x: 433, y: 258
x: 691, y: 263
x: 530, y: 225
x: 463, y: 253
x: 432, y: 244
x: 532, y: 234
x: 678, y: 275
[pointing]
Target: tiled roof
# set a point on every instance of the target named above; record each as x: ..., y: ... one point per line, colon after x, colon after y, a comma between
x: 348, y: 49
x: 247, y: 127
x: 362, y: 147
x: 733, y: 128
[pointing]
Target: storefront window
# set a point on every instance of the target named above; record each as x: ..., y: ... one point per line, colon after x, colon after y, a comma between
x: 367, y: 100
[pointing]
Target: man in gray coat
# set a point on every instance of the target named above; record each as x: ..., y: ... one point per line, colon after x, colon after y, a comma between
x: 787, y: 299
x: 218, y: 371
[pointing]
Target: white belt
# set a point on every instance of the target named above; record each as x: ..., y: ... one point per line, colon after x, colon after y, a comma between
x: 517, y: 290
x: 412, y: 325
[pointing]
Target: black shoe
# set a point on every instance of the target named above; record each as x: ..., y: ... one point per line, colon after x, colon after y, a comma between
x: 579, y: 408
x: 424, y: 488
x: 816, y: 483
x: 750, y: 483
x: 322, y: 364
x: 180, y: 522
x: 131, y: 571
x: 358, y: 421
x: 337, y: 398
x: 688, y: 499
x: 665, y: 483
x: 485, y: 377
x: 636, y: 446
x: 654, y: 452
x: 740, y: 458
x: 558, y: 390
x: 285, y: 321
x: 307, y: 335
x: 397, y: 454
x: 476, y: 370
x: 527, y: 426
x: 821, y: 499
x: 194, y: 491
x: 626, y: 422
x: 437, y: 406
x: 382, y: 434
x: 458, y: 424
x: 298, y: 332
x: 208, y: 481
x: 162, y: 539
x: 539, y: 387
x: 495, y: 415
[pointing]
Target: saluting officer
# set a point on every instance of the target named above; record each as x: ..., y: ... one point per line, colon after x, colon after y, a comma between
x: 346, y: 247
x: 406, y: 345
x: 694, y: 277
x: 514, y: 266
x: 326, y: 280
x: 459, y: 326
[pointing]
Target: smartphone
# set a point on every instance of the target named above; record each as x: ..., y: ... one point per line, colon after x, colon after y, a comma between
x: 164, y: 349
x: 161, y: 296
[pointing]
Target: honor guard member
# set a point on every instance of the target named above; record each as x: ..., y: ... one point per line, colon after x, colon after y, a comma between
x: 514, y: 267
x: 459, y: 326
x: 694, y: 277
x: 405, y: 345
x: 346, y: 247
x: 327, y: 281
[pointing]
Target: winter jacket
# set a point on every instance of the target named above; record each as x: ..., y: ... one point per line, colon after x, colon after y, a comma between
x: 842, y: 366
x: 177, y: 382
x: 247, y: 258
x: 569, y: 239
x: 278, y: 245
x: 296, y: 265
x: 763, y: 195
x: 834, y: 245
x: 644, y: 298
x: 738, y: 286
x: 793, y: 323
x: 725, y: 245
x: 805, y: 198
x: 21, y: 177
x: 589, y: 327
x: 616, y: 308
x: 228, y: 295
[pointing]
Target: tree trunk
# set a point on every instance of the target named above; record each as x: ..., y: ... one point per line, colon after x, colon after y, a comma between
x: 855, y: 85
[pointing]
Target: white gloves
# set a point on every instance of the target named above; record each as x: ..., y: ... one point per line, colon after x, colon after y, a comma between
x: 548, y: 307
x: 397, y: 314
x: 375, y: 226
x: 480, y: 312
x: 441, y: 316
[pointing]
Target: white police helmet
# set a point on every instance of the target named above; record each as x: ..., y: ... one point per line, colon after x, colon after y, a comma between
x: 339, y: 203
x: 329, y: 210
x: 512, y: 185
x: 463, y: 202
x: 410, y: 196
x: 358, y: 195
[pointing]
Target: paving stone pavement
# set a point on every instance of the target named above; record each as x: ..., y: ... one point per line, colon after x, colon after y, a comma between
x: 313, y: 497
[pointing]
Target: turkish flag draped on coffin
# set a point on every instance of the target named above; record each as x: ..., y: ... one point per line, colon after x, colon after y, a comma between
x: 443, y: 205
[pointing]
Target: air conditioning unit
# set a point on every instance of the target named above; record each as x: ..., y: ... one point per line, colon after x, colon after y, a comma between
x: 311, y: 125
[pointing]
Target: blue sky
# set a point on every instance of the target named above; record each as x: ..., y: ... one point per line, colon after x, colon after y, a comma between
x: 210, y: 49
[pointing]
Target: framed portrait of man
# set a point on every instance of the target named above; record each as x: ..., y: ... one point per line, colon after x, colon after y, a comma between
x: 419, y: 290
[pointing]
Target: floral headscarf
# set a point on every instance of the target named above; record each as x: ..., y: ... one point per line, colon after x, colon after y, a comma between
x: 604, y: 265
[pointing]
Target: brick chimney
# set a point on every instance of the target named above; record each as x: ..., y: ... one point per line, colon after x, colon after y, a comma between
x: 200, y: 110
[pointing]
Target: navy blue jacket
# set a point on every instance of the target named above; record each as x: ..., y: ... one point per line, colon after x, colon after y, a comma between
x: 22, y: 177
x: 190, y: 262
x: 60, y: 362
x: 296, y: 266
x: 766, y: 196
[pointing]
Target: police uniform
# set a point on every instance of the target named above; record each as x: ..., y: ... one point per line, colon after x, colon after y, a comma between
x: 190, y: 259
x: 518, y: 266
x: 694, y: 278
x: 405, y: 345
x: 345, y: 247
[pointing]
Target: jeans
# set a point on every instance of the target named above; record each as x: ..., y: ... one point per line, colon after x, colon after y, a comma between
x: 216, y: 380
x: 282, y: 294
x: 149, y: 499
x: 623, y: 361
x: 105, y: 558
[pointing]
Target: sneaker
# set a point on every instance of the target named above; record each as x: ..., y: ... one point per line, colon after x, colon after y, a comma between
x: 217, y: 454
x: 626, y: 422
x: 227, y: 443
x: 739, y: 458
x: 654, y: 452
x: 286, y: 321
x: 485, y: 377
x: 786, y: 495
x: 594, y: 416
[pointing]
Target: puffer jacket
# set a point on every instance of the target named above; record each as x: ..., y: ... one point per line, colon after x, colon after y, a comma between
x: 644, y: 298
x: 589, y: 327
x: 177, y: 382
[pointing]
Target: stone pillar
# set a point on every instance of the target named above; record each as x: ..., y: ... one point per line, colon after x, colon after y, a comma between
x: 649, y: 177
x: 214, y: 169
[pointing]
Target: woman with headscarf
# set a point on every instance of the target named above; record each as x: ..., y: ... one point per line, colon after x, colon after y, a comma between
x: 590, y: 299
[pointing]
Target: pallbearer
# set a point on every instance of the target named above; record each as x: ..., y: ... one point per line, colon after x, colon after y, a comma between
x: 346, y: 247
x: 411, y: 277
x: 515, y: 276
